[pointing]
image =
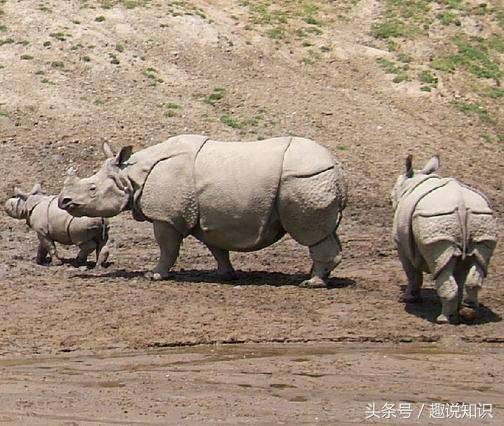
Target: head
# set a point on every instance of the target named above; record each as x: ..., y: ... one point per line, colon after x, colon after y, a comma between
x: 16, y: 206
x: 404, y: 180
x: 105, y: 194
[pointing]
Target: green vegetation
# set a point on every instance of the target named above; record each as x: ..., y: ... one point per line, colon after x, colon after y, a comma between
x: 100, y: 18
x: 59, y: 36
x: 215, y: 96
x: 474, y: 55
x: 427, y: 77
x: 474, y: 108
x: 119, y: 47
x: 57, y: 64
x: 400, y: 71
x: 152, y: 75
x: 6, y: 41
x: 230, y: 121
x: 26, y: 57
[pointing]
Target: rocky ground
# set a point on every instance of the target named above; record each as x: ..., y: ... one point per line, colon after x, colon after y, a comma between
x: 73, y: 74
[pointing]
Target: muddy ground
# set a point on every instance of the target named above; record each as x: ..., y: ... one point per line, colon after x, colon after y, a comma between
x: 72, y: 340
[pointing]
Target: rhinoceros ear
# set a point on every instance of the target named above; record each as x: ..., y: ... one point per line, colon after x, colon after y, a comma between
x: 107, y: 150
x: 123, y: 155
x: 409, y: 166
x: 20, y: 194
x: 431, y: 166
x: 37, y: 189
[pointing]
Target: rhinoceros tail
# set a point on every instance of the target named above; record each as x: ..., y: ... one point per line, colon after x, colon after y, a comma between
x: 463, y: 215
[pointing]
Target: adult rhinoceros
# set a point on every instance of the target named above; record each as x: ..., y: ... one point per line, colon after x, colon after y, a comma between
x: 232, y: 196
x: 446, y: 228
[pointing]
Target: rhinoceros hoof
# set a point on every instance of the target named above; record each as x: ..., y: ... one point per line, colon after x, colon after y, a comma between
x: 411, y: 298
x: 314, y: 282
x: 468, y: 313
x: 228, y: 276
x: 443, y: 319
x: 153, y: 276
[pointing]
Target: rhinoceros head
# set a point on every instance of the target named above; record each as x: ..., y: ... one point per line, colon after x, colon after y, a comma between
x: 16, y: 206
x: 104, y: 194
x: 405, y: 180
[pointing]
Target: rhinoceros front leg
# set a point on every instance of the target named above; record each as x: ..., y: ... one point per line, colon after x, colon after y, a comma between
x: 415, y: 280
x: 326, y: 255
x: 168, y: 239
x: 42, y: 251
x: 85, y: 250
x: 447, y: 290
x: 102, y: 254
x: 51, y: 248
x: 225, y: 270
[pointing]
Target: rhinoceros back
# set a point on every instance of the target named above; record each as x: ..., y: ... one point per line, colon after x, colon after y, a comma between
x: 236, y: 187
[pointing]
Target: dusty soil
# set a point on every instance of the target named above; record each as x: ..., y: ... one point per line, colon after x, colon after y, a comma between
x: 57, y: 107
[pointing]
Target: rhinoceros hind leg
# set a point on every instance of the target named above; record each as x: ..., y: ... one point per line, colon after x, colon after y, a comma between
x: 472, y: 284
x: 168, y: 239
x: 85, y: 250
x: 102, y: 254
x: 225, y: 269
x: 415, y: 280
x: 326, y: 255
x: 447, y: 290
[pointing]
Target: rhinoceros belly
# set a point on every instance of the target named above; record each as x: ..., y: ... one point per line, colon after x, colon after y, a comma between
x: 236, y: 188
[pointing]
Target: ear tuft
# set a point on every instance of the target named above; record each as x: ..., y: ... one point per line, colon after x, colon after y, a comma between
x: 409, y: 166
x: 431, y: 166
x: 107, y: 150
x: 37, y: 189
x: 21, y: 194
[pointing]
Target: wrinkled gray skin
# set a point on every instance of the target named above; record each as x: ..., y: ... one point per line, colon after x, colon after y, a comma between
x: 226, y: 194
x: 53, y: 224
x: 447, y: 229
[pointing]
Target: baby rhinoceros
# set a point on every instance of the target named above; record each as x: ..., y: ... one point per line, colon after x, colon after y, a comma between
x: 53, y: 224
x: 447, y: 229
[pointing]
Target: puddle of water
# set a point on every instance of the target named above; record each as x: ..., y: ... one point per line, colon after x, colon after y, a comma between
x: 202, y: 355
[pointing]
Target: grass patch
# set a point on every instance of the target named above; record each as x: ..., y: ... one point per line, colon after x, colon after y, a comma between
x: 400, y: 71
x: 214, y: 97
x: 152, y: 74
x: 57, y: 64
x: 392, y: 28
x: 230, y: 121
x: 58, y: 36
x: 3, y: 28
x: 100, y: 18
x: 474, y: 56
x: 474, y: 108
x: 26, y: 57
x: 119, y: 47
x: 276, y: 33
x: 6, y: 41
x: 494, y: 92
x: 86, y: 58
x: 427, y: 77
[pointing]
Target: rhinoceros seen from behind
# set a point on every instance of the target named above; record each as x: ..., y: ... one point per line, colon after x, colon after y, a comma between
x: 447, y: 229
x: 232, y: 196
x: 53, y: 224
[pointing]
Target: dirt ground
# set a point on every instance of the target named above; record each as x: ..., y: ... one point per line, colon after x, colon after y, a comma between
x: 78, y: 346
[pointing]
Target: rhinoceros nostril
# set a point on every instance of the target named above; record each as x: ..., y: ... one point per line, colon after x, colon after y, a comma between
x: 64, y: 203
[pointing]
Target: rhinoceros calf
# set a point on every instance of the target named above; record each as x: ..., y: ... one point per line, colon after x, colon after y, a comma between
x: 238, y: 196
x: 447, y: 229
x: 53, y: 224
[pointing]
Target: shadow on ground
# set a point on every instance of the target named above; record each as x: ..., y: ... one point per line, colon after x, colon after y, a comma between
x: 430, y: 308
x: 257, y: 278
